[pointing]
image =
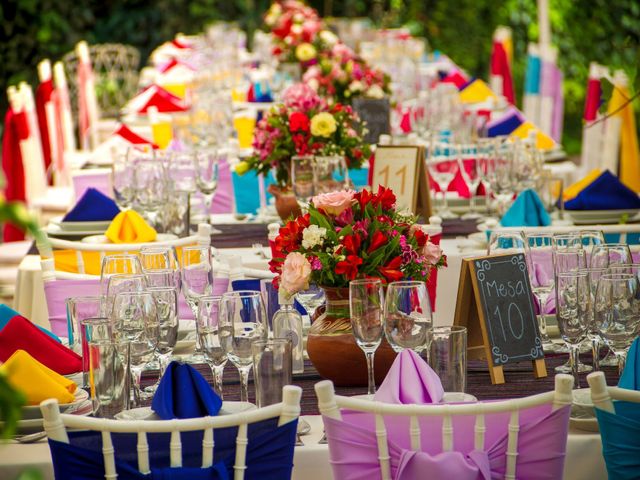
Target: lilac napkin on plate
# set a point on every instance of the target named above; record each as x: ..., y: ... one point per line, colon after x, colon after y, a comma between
x: 410, y: 381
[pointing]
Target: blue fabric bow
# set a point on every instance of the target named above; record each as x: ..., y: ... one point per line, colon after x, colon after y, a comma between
x: 526, y: 211
x: 7, y: 314
x: 93, y: 206
x: 630, y: 378
x: 184, y: 393
x: 605, y: 193
x: 620, y: 434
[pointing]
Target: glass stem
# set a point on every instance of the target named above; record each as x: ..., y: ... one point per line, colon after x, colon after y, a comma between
x: 371, y: 388
x: 622, y: 360
x: 217, y: 371
x: 574, y: 352
x: 136, y: 374
x: 244, y: 383
x: 542, y: 321
x: 472, y: 198
x: 595, y: 352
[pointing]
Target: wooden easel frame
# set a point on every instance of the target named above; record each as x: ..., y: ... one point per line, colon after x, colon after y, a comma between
x: 470, y: 314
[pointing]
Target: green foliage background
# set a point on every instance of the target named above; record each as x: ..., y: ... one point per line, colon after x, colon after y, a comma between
x: 606, y: 31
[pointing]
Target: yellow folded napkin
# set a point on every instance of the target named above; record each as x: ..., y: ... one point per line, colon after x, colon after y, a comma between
x: 476, y: 92
x: 36, y: 381
x: 130, y: 227
x: 574, y: 190
x: 543, y: 141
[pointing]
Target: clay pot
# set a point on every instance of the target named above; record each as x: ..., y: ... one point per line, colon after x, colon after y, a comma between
x: 286, y: 202
x: 333, y: 350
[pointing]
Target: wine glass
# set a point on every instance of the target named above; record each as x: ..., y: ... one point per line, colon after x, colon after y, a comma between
x: 590, y: 239
x: 160, y: 258
x: 118, y: 264
x: 469, y: 166
x: 617, y: 312
x: 123, y: 180
x: 330, y: 173
x: 365, y: 305
x: 566, y: 240
x: 303, y: 179
x: 166, y: 298
x: 197, y: 281
x: 206, y: 165
x: 573, y: 302
x: 593, y: 333
x: 502, y: 242
x: 151, y: 187
x: 500, y: 175
x: 539, y: 259
x: 443, y: 166
x: 311, y: 299
x: 608, y: 254
x: 242, y: 319
x: 121, y: 283
x: 209, y: 330
x: 407, y: 316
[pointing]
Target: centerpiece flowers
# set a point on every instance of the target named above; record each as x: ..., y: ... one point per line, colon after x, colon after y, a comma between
x: 347, y: 235
x: 305, y: 125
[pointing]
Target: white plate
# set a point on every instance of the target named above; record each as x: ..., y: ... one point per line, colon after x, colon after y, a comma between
x: 55, y: 230
x: 30, y: 412
x: 34, y: 425
x: 145, y: 413
x: 162, y: 237
x: 449, y: 397
x: 593, y: 217
x: 101, y: 225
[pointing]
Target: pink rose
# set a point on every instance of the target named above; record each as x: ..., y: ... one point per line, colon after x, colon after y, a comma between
x: 296, y: 271
x: 432, y: 253
x: 334, y: 203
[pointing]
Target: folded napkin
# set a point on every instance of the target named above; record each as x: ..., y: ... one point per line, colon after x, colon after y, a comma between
x: 410, y: 381
x: 36, y: 381
x: 543, y: 141
x: 573, y: 190
x: 630, y: 378
x: 93, y: 206
x: 7, y: 314
x: 164, y: 101
x: 606, y: 192
x: 21, y: 334
x: 476, y: 91
x: 130, y: 227
x: 132, y: 137
x: 526, y: 211
x: 184, y: 393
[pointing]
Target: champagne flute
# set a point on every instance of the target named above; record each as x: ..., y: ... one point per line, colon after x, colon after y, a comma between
x: 617, y: 312
x: 303, y: 178
x: 166, y: 298
x: 206, y: 166
x: 197, y: 282
x: 123, y: 180
x: 469, y: 166
x: 590, y: 239
x: 209, y: 330
x: 609, y: 254
x: 365, y: 304
x: 573, y: 302
x: 242, y: 319
x: 407, y: 316
x: 592, y: 330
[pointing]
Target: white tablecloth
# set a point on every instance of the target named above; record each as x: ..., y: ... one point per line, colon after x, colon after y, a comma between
x: 311, y: 462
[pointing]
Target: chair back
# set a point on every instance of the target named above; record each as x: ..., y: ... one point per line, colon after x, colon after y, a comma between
x: 504, y: 438
x: 253, y: 440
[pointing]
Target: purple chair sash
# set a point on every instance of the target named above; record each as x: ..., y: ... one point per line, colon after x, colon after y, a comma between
x: 99, y: 180
x: 220, y: 286
x: 223, y: 198
x: 57, y: 292
x: 542, y: 441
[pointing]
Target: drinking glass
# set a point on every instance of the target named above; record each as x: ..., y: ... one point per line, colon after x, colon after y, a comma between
x: 366, y: 301
x: 567, y: 240
x: 569, y: 260
x: 118, y: 264
x: 505, y: 242
x: 592, y: 330
x: 500, y: 175
x: 242, y: 320
x: 121, y: 283
x: 311, y: 299
x: 158, y: 258
x: 271, y: 369
x: 470, y: 169
x: 539, y: 256
x: 162, y: 278
x: 617, y: 312
x: 330, y: 174
x: 79, y: 308
x: 448, y: 357
x: 590, y: 239
x: 206, y: 166
x: 407, y: 316
x: 573, y: 303
x: 303, y: 178
x: 123, y: 180
x: 443, y: 166
x: 166, y: 298
x: 609, y: 254
x: 209, y: 331
x: 197, y: 281
x: 151, y: 187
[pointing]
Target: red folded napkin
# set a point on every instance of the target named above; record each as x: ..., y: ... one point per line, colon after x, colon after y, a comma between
x: 164, y: 102
x: 21, y: 334
x: 132, y: 137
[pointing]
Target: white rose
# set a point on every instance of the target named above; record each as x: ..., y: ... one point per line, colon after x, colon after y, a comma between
x: 298, y: 17
x: 313, y: 83
x: 313, y: 235
x: 375, y: 92
x: 356, y: 86
x: 328, y: 37
x: 297, y: 29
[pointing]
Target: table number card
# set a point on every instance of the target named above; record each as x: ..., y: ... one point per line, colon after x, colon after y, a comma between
x: 496, y: 305
x: 402, y: 169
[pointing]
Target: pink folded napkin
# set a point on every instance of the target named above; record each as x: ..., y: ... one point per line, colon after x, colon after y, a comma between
x: 410, y: 381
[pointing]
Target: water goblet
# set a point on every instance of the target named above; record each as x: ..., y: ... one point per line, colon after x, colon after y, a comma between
x: 118, y: 264
x: 407, y: 316
x: 209, y: 330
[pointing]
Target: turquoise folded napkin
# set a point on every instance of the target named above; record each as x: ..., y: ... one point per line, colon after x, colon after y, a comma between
x: 630, y: 378
x: 93, y: 206
x: 606, y: 192
x: 7, y: 314
x: 526, y: 211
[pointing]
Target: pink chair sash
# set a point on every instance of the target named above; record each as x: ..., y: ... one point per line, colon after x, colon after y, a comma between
x: 223, y: 199
x: 100, y: 181
x: 220, y: 286
x: 57, y: 292
x: 542, y: 441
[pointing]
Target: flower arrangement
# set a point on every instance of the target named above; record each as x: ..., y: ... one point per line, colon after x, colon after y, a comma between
x: 305, y: 125
x: 347, y: 235
x: 340, y: 75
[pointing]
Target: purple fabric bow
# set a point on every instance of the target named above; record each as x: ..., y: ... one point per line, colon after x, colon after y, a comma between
x: 410, y: 381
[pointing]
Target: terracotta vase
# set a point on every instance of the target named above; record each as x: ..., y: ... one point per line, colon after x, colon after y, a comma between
x: 333, y: 350
x: 286, y: 202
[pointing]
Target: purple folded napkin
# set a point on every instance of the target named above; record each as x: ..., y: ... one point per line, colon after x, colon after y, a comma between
x: 410, y: 381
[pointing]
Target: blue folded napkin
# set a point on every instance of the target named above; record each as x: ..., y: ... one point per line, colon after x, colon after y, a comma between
x: 184, y: 393
x: 526, y: 211
x: 93, y: 206
x: 7, y: 314
x: 630, y: 378
x: 606, y: 192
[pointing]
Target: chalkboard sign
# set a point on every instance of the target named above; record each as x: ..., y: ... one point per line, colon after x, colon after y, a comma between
x: 377, y: 113
x: 496, y: 304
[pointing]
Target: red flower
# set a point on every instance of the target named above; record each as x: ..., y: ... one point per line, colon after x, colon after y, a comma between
x: 377, y: 241
x: 363, y: 198
x: 349, y: 267
x: 298, y: 122
x: 391, y: 270
x: 421, y: 237
x: 385, y: 197
x: 290, y: 235
x: 352, y: 243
